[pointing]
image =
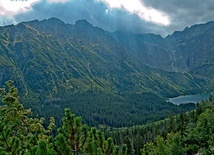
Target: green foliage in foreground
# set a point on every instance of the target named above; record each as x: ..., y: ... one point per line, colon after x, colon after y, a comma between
x: 20, y: 133
x: 187, y: 133
x: 192, y: 137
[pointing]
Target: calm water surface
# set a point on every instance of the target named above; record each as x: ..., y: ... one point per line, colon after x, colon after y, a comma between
x: 188, y: 99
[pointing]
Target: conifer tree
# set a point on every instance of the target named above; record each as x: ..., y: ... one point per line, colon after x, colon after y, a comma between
x: 19, y: 132
x: 72, y: 135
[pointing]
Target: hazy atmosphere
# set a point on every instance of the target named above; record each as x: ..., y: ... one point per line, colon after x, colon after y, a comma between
x: 138, y: 16
x: 106, y: 77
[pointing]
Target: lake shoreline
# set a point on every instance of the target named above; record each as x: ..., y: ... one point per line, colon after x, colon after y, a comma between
x: 184, y: 99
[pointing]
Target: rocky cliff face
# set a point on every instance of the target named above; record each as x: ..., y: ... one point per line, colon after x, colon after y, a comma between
x: 193, y: 47
x: 182, y: 51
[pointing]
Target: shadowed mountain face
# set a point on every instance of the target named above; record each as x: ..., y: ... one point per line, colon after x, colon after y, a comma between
x: 190, y: 51
x: 183, y: 51
x: 50, y: 60
x: 149, y: 49
x: 193, y: 47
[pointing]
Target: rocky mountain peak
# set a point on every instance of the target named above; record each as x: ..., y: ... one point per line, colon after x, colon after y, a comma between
x: 83, y: 24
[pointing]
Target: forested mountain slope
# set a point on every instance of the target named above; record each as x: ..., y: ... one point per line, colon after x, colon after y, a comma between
x: 50, y: 55
x: 53, y: 63
x: 185, y: 133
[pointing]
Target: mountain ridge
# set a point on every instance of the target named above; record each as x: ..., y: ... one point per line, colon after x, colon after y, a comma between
x: 88, y: 37
x: 51, y: 62
x: 183, y: 51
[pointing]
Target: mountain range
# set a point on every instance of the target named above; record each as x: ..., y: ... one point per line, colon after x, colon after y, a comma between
x: 50, y: 60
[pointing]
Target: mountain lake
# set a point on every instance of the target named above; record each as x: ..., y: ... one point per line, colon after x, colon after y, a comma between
x: 188, y: 99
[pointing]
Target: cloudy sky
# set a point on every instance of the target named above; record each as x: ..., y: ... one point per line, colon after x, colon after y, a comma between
x: 139, y: 16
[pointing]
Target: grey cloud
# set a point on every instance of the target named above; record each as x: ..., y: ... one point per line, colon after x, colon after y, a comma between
x: 6, y: 21
x: 92, y: 11
x: 182, y: 13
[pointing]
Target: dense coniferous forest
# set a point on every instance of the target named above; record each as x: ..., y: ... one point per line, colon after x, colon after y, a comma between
x: 101, y: 109
x: 20, y: 133
x: 189, y: 132
x: 186, y: 133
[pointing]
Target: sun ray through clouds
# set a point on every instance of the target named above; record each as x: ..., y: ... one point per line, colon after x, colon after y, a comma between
x: 137, y: 7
